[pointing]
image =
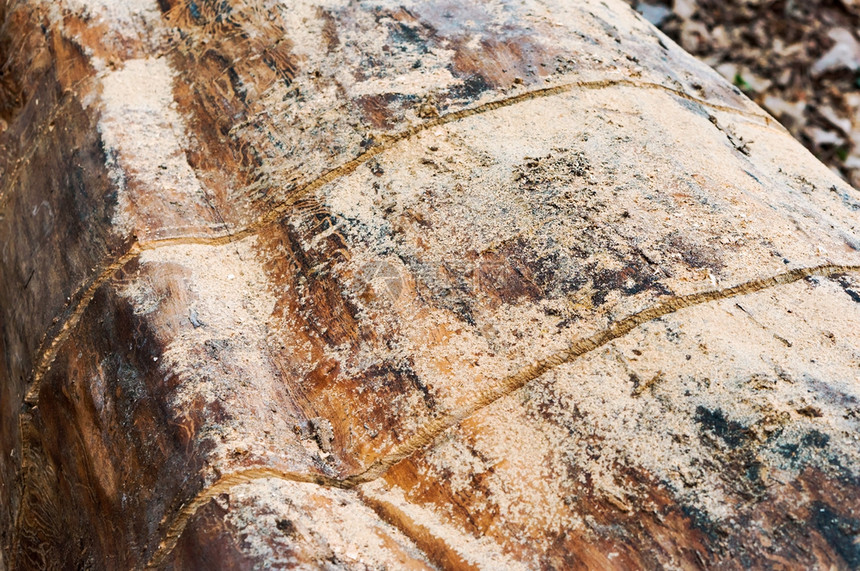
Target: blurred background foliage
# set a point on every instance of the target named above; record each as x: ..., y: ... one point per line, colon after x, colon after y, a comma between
x: 799, y: 59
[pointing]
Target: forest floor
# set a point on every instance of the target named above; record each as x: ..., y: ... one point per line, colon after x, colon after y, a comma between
x: 799, y: 59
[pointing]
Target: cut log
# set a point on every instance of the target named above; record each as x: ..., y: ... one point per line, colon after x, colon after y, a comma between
x: 487, y: 284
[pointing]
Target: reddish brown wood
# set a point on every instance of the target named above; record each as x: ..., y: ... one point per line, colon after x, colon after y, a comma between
x: 381, y: 285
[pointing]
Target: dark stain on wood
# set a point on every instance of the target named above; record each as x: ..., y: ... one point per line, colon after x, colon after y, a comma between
x: 840, y: 531
x: 731, y: 432
x: 504, y: 275
x: 634, y: 278
x: 694, y: 255
x: 376, y: 111
x: 210, y: 541
x: 120, y: 410
x: 329, y: 29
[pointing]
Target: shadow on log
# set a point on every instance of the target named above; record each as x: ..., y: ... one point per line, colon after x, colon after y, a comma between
x: 382, y: 285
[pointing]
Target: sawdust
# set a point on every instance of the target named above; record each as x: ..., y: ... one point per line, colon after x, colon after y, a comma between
x: 123, y: 29
x: 117, y: 13
x: 145, y: 142
x: 474, y: 249
x: 479, y: 551
x: 463, y: 193
x: 225, y: 360
x: 696, y: 432
x: 332, y: 528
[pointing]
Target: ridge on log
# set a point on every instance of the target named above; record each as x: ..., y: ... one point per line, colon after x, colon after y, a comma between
x: 491, y: 284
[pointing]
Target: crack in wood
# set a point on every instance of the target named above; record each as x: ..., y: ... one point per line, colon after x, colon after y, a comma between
x: 427, y: 435
x: 503, y: 387
x: 429, y: 432
x: 223, y: 485
x: 48, y: 354
x: 437, y: 549
x: 52, y: 348
x: 387, y: 142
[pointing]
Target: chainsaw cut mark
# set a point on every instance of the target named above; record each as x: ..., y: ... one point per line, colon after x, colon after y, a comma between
x: 504, y: 387
x: 426, y: 437
x: 49, y: 353
x: 345, y: 169
x: 52, y: 347
x: 224, y: 485
x: 388, y: 142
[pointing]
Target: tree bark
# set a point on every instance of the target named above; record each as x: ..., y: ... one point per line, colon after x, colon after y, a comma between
x: 486, y: 284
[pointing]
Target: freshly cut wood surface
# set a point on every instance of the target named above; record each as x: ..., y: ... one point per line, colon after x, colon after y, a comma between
x: 404, y: 285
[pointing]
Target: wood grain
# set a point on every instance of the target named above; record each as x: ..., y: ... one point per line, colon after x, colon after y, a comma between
x: 382, y: 285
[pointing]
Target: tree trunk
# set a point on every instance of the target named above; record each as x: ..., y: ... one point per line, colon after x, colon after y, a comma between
x: 490, y: 284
